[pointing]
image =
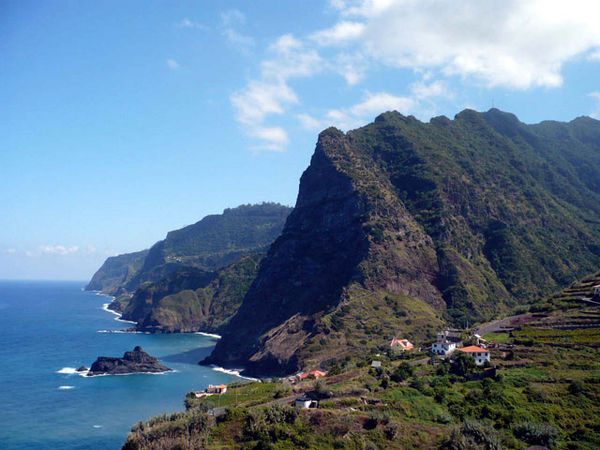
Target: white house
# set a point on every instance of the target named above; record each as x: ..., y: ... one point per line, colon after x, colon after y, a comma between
x: 479, y: 354
x: 445, y: 344
x: 305, y: 402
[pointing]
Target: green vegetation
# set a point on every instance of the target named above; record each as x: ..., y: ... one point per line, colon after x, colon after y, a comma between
x: 193, y: 300
x: 545, y: 391
x: 453, y: 221
x: 214, y: 242
x: 116, y: 272
x: 210, y: 244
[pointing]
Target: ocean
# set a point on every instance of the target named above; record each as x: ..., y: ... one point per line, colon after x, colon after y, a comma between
x: 47, y: 329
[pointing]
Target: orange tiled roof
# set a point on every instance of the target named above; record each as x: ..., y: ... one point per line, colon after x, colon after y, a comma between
x: 473, y: 349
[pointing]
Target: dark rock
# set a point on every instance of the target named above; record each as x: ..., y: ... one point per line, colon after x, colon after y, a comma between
x: 136, y: 361
x: 82, y: 369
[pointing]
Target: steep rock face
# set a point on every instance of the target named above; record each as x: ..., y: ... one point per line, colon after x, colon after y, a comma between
x: 191, y: 300
x: 136, y: 361
x: 400, y: 223
x: 212, y: 243
x: 116, y: 272
x: 345, y: 231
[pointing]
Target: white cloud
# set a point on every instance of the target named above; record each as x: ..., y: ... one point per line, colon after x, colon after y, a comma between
x: 512, y: 43
x: 594, y: 55
x: 231, y: 20
x: 423, y: 90
x: 340, y: 33
x: 233, y: 17
x: 372, y: 105
x: 10, y: 251
x: 172, y: 64
x: 190, y: 24
x: 271, y: 93
x: 58, y: 249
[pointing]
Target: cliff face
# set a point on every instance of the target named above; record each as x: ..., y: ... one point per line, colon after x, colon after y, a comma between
x: 214, y: 242
x: 116, y: 272
x: 400, y: 224
x: 191, y: 299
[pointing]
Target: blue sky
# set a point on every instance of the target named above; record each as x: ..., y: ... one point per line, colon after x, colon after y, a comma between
x: 124, y: 120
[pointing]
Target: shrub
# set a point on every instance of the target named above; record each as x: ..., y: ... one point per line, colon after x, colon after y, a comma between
x: 472, y: 435
x: 281, y: 391
x: 402, y: 372
x: 536, y: 433
x: 576, y: 387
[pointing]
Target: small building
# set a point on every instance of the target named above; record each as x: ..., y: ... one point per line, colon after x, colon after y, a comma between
x: 479, y: 354
x: 446, y: 343
x: 216, y: 389
x: 401, y: 345
x: 376, y: 364
x: 305, y: 402
x: 597, y: 291
x: 315, y: 374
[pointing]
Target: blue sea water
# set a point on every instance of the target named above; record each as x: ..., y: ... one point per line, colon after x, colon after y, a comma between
x: 47, y: 328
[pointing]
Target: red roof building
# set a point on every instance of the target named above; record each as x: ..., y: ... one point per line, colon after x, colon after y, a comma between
x: 479, y: 354
x: 402, y: 344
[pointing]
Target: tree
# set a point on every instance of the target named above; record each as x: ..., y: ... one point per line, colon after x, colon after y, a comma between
x: 402, y: 372
x: 463, y: 365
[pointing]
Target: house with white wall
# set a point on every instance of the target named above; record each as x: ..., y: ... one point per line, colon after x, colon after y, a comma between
x: 479, y: 354
x: 446, y: 343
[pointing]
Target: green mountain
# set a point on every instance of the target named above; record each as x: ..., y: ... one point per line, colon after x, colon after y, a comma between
x: 192, y: 299
x: 116, y: 272
x: 210, y: 244
x: 400, y: 225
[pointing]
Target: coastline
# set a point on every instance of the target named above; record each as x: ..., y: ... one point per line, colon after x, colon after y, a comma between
x: 105, y: 307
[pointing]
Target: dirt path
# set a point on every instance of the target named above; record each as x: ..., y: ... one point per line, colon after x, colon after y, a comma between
x: 503, y: 324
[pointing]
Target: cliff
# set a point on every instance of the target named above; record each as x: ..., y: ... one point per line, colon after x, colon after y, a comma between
x: 116, y: 272
x: 212, y: 243
x: 191, y: 299
x: 402, y: 224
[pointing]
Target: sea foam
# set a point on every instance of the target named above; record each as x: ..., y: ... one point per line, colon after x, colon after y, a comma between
x: 211, y: 335
x: 118, y: 314
x: 234, y: 372
x: 71, y: 371
x: 66, y: 388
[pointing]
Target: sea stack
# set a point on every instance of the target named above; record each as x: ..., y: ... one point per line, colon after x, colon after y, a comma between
x: 136, y: 361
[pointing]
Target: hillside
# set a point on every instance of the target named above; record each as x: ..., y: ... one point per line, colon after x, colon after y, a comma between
x: 400, y: 225
x: 544, y: 391
x: 191, y: 299
x: 210, y: 244
x: 116, y: 272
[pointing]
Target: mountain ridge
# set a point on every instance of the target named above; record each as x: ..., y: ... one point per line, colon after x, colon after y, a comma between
x: 452, y: 219
x: 212, y: 243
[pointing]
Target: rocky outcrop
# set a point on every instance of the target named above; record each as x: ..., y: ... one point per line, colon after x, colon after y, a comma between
x: 402, y: 224
x: 136, y: 361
